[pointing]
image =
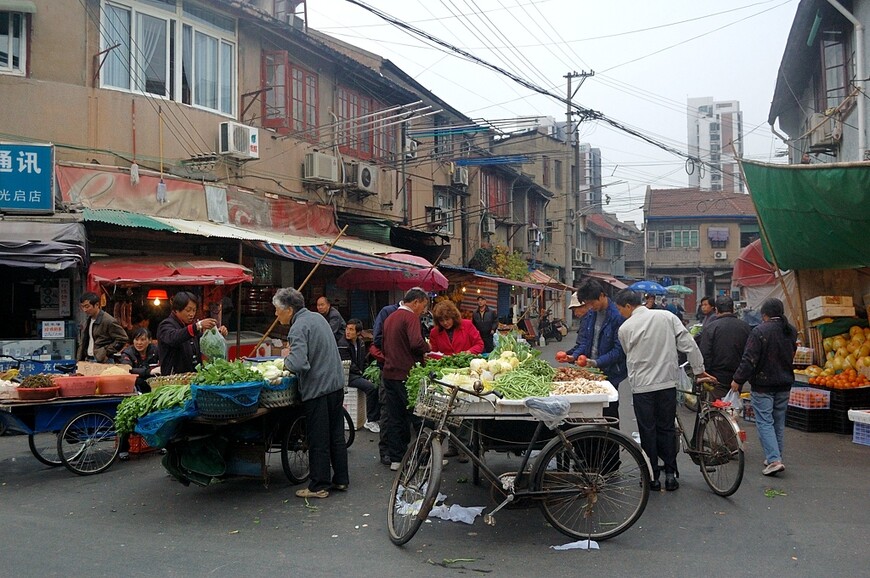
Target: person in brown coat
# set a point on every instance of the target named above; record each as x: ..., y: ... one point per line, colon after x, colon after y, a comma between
x: 102, y: 336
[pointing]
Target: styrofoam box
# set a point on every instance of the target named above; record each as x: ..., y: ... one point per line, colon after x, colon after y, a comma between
x: 835, y: 300
x: 830, y: 311
x: 859, y: 415
x: 355, y: 404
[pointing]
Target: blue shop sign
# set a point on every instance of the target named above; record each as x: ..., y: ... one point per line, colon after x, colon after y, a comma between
x: 26, y: 178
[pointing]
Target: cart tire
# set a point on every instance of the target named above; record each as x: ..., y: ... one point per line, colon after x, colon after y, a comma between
x: 349, y: 431
x: 557, y: 335
x: 294, y: 452
x: 721, y: 457
x: 43, y: 446
x: 417, y: 481
x: 594, y: 488
x: 88, y: 443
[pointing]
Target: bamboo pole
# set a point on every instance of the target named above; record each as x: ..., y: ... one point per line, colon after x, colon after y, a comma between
x: 329, y: 247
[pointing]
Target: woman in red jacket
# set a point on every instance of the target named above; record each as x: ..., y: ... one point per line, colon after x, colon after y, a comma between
x: 452, y: 334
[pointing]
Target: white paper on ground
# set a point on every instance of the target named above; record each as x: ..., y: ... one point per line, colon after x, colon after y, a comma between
x: 579, y: 545
x: 456, y: 513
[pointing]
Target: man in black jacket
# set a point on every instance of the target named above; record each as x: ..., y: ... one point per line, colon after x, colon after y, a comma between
x: 722, y: 343
x: 353, y: 348
x: 486, y: 322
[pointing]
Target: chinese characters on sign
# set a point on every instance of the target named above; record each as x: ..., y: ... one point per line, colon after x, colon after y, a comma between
x: 26, y: 178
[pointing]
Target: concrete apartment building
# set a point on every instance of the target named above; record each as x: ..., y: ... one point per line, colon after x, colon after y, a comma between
x: 715, y: 136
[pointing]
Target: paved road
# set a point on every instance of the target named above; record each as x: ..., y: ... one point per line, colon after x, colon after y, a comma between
x: 134, y: 520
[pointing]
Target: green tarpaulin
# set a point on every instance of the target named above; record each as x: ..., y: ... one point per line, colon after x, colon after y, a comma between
x: 815, y: 216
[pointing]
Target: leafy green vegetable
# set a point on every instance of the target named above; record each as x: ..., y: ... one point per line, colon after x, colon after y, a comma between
x: 132, y: 408
x: 373, y: 373
x: 419, y: 372
x: 213, y: 344
x: 223, y: 372
x: 509, y: 342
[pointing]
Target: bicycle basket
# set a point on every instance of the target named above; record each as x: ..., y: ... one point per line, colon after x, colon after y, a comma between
x: 433, y: 403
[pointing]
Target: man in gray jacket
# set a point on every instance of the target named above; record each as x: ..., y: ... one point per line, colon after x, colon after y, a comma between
x: 315, y: 360
x: 651, y: 340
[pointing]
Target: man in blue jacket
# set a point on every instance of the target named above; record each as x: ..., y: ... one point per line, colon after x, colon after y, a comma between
x: 598, y: 338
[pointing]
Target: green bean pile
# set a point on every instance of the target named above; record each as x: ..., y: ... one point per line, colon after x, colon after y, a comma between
x: 521, y: 383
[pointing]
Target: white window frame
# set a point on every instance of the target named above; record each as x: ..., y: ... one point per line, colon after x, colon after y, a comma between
x: 447, y: 203
x: 21, y: 69
x: 222, y: 85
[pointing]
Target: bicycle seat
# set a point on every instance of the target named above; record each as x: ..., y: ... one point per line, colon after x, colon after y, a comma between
x: 550, y: 410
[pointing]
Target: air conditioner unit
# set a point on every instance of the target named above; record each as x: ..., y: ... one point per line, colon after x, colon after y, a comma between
x: 460, y: 177
x: 411, y: 148
x: 365, y: 177
x: 488, y: 225
x: 320, y: 167
x: 581, y: 257
x: 238, y: 141
x: 720, y: 255
x: 824, y: 132
x: 586, y: 259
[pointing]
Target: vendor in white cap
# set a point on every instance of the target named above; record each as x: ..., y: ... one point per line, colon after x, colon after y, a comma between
x: 578, y: 308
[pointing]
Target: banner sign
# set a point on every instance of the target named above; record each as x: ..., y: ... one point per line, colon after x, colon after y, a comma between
x: 26, y: 178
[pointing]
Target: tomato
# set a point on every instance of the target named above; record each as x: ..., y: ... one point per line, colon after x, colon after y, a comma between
x: 581, y: 361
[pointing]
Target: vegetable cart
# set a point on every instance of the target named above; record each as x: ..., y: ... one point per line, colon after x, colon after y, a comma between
x: 78, y: 433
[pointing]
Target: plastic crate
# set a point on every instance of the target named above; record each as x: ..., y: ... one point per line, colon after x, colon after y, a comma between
x: 747, y: 413
x: 810, y: 398
x: 861, y: 434
x: 808, y: 420
x: 355, y: 404
x: 846, y: 399
x: 803, y: 356
x: 139, y: 446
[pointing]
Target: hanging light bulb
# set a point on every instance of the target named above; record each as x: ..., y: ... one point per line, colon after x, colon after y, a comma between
x: 156, y: 295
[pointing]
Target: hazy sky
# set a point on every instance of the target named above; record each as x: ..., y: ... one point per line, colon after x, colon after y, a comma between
x: 649, y: 57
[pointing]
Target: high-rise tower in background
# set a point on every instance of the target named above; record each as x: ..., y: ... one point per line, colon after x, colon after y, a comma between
x: 715, y: 135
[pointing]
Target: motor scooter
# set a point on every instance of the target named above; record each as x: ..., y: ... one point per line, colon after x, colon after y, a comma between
x: 550, y: 329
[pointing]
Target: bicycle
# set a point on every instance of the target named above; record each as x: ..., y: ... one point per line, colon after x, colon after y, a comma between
x: 590, y: 481
x: 717, y: 441
x: 294, y: 447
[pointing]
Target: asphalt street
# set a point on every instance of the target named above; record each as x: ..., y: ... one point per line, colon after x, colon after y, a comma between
x: 134, y: 520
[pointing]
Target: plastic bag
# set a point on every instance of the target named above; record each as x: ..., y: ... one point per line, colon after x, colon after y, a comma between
x: 685, y: 389
x: 213, y: 345
x: 733, y: 397
x: 550, y: 410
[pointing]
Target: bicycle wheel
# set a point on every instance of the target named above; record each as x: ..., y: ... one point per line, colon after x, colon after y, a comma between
x: 43, y: 446
x: 294, y: 452
x: 349, y: 430
x: 595, y: 486
x: 722, y: 458
x: 88, y: 444
x: 415, y: 487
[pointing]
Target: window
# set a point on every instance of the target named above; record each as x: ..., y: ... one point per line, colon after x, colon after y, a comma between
x: 446, y: 203
x: 290, y: 104
x: 681, y: 236
x: 548, y: 232
x: 545, y: 178
x: 174, y: 50
x: 835, y: 69
x: 362, y: 131
x: 496, y: 192
x: 13, y: 43
x: 557, y: 173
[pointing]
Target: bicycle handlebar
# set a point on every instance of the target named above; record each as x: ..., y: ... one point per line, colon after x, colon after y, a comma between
x: 477, y: 392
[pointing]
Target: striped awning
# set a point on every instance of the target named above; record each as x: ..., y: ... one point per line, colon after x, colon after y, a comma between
x: 337, y: 257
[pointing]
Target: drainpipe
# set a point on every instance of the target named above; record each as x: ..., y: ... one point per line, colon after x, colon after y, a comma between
x: 859, y: 64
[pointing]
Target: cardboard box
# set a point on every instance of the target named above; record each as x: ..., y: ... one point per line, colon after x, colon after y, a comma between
x: 830, y: 311
x: 823, y: 300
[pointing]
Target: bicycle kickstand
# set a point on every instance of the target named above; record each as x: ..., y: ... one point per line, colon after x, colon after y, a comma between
x: 489, y: 519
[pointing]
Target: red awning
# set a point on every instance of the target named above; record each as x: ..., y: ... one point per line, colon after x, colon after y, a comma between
x: 751, y: 268
x: 165, y: 271
x: 607, y: 279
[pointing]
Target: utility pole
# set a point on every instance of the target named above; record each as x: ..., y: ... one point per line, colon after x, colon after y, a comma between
x: 572, y: 202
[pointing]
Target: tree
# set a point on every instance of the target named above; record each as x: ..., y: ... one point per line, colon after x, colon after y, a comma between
x: 508, y: 264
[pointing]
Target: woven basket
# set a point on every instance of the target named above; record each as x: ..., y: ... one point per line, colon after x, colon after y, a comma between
x: 283, y: 392
x: 227, y: 401
x: 172, y: 379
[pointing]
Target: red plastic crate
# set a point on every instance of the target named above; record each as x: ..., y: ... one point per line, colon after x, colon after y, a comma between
x: 138, y: 445
x: 809, y: 398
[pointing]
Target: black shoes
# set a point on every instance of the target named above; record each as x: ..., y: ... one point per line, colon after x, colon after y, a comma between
x: 671, y: 483
x: 451, y: 452
x: 386, y: 461
x: 655, y: 486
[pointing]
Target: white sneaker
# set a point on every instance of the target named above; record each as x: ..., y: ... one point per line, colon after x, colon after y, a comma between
x: 372, y: 426
x: 395, y: 466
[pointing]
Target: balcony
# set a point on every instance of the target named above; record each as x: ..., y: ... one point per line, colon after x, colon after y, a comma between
x: 677, y: 257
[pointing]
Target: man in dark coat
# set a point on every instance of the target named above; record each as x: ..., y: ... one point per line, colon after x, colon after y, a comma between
x: 486, y: 322
x: 178, y: 335
x: 722, y: 343
x: 336, y: 321
x: 101, y: 336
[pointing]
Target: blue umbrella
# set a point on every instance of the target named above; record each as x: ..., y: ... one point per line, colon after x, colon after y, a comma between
x: 648, y: 287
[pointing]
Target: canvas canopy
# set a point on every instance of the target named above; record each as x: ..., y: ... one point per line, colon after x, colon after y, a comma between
x: 815, y: 216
